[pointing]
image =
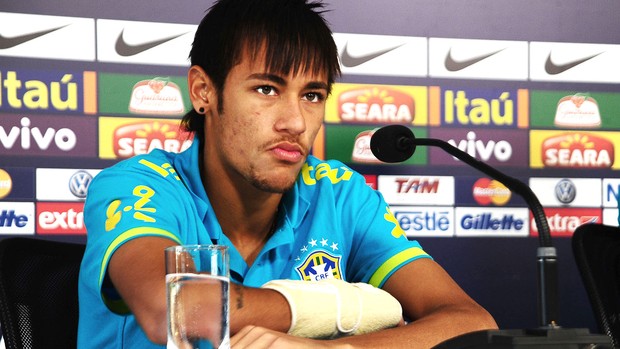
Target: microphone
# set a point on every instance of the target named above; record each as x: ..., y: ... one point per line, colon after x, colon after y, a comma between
x: 396, y: 143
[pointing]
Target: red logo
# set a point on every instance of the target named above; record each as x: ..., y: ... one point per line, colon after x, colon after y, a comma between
x: 486, y: 191
x: 379, y: 104
x: 142, y: 137
x: 60, y: 218
x: 563, y: 221
x: 371, y: 181
x: 583, y: 150
x: 417, y: 185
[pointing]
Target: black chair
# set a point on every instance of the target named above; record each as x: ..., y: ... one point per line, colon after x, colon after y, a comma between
x: 39, y: 292
x: 597, y: 252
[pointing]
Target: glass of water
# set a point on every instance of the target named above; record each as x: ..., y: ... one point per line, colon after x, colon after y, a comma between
x: 197, y: 281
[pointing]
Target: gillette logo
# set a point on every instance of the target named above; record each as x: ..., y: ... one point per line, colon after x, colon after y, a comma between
x: 8, y: 219
x: 486, y: 221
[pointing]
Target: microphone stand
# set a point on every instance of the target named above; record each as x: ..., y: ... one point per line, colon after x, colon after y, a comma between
x: 402, y: 147
x: 546, y: 254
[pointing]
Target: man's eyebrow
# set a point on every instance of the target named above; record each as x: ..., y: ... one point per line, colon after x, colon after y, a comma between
x: 317, y: 85
x: 266, y: 76
x: 281, y: 81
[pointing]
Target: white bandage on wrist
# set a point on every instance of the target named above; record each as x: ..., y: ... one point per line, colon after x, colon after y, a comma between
x: 332, y: 307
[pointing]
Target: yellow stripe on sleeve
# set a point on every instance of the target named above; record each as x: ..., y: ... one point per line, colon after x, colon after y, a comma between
x: 379, y: 277
x: 129, y: 234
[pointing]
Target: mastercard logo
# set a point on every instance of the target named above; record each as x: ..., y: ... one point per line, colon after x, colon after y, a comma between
x: 489, y: 191
x: 6, y: 184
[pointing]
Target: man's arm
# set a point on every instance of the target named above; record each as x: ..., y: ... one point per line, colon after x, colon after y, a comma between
x: 440, y: 310
x: 137, y: 270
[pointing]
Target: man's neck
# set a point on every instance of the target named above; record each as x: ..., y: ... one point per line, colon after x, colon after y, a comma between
x: 246, y: 214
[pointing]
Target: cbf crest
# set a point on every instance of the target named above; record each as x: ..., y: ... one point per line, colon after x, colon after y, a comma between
x: 320, y: 265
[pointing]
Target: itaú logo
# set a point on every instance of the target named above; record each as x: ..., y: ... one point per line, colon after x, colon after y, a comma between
x: 576, y: 149
x: 142, y: 137
x: 376, y: 104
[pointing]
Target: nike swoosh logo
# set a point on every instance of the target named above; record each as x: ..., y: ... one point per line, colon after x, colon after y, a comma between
x: 554, y: 69
x: 126, y: 50
x: 454, y: 65
x: 353, y: 61
x: 18, y: 40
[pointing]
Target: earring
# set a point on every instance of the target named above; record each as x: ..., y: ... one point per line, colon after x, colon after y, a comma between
x: 201, y: 110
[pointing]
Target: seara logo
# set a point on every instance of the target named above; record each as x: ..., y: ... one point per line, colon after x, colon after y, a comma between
x: 581, y: 150
x: 376, y: 105
x: 142, y: 137
x: 486, y: 191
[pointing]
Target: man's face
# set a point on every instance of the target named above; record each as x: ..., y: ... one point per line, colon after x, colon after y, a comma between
x: 268, y: 123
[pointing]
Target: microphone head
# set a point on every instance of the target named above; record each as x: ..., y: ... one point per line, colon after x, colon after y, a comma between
x: 393, y: 143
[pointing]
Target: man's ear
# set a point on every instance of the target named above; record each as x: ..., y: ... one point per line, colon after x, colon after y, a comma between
x: 201, y: 90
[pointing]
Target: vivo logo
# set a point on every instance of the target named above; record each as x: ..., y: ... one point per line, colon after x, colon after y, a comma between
x: 64, y: 138
x: 501, y: 150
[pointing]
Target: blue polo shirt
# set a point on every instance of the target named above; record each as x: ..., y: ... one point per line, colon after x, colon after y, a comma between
x: 330, y: 225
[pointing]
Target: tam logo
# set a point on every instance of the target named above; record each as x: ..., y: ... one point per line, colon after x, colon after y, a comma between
x: 583, y: 150
x: 142, y: 137
x: 376, y: 104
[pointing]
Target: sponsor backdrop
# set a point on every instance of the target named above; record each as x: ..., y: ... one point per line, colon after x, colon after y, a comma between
x: 530, y: 87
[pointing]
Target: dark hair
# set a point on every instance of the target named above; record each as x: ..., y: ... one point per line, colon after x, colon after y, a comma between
x: 292, y: 34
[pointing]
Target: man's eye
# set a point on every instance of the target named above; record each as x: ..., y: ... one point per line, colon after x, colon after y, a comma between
x: 314, y: 97
x: 266, y: 90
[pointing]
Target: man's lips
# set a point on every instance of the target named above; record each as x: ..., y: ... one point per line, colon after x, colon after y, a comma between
x: 288, y: 152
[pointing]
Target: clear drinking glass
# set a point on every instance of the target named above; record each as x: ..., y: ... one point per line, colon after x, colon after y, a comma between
x: 197, y: 282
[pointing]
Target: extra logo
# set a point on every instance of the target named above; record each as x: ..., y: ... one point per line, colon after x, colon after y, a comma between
x: 158, y: 96
x: 577, y: 111
x: 563, y: 221
x: 565, y: 191
x: 320, y: 265
x: 483, y: 110
x: 489, y: 191
x: 577, y: 149
x: 60, y: 218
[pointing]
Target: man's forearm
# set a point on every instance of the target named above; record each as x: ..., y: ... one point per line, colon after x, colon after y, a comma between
x: 427, y: 332
x: 257, y: 306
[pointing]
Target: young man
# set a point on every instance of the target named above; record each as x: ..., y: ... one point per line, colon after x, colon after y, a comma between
x: 261, y: 70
